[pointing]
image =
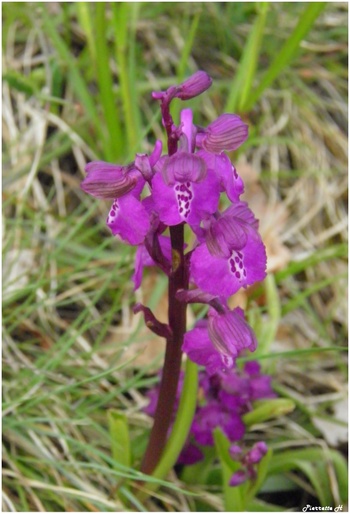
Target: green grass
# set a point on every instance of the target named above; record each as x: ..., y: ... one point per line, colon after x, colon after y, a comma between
x: 77, y: 86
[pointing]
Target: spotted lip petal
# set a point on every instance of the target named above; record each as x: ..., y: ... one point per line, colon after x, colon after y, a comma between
x: 129, y: 219
x: 233, y: 255
x: 188, y: 201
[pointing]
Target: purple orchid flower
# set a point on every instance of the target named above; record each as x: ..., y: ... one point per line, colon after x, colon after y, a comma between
x: 216, y: 342
x: 211, y: 416
x: 248, y: 460
x: 159, y: 192
x: 185, y: 190
x: 232, y: 256
x: 212, y: 412
x: 127, y: 217
x: 230, y: 182
x: 200, y: 349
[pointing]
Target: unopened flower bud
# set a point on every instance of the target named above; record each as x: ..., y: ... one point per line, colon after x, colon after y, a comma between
x: 238, y: 478
x: 258, y: 451
x: 194, y: 86
x: 235, y: 451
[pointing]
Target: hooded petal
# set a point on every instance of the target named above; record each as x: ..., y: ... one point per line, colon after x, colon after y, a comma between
x: 195, y: 85
x: 108, y: 181
x: 183, y: 167
x: 227, y: 132
x: 224, y: 276
x: 199, y: 348
x: 230, y: 333
x: 242, y: 213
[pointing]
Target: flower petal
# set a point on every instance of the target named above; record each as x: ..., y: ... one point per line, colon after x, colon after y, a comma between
x: 212, y: 274
x: 227, y: 132
x: 108, y: 181
x: 230, y: 181
x: 183, y: 167
x: 199, y: 348
x: 164, y: 199
x: 230, y: 333
x: 129, y: 219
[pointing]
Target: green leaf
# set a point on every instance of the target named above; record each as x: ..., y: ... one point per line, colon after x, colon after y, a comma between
x: 298, y: 299
x: 124, y: 17
x: 234, y: 497
x: 120, y: 439
x: 262, y: 471
x: 319, y: 466
x: 85, y: 19
x: 186, y: 51
x: 266, y: 329
x: 260, y: 506
x: 268, y: 409
x: 75, y: 76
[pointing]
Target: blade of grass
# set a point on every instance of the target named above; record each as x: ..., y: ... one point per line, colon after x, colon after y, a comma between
x: 288, y: 51
x: 266, y: 329
x: 84, y: 17
x: 115, y: 147
x: 186, y: 51
x: 242, y: 83
x: 76, y: 78
x: 122, y: 15
x: 297, y: 300
x: 185, y: 55
x: 293, y: 353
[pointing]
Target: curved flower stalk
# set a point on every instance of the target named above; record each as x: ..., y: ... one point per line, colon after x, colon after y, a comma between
x: 154, y: 197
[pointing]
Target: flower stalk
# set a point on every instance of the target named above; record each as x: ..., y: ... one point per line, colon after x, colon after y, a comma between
x: 172, y: 361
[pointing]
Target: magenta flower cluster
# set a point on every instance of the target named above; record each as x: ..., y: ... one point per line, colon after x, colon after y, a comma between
x: 223, y: 400
x: 158, y: 191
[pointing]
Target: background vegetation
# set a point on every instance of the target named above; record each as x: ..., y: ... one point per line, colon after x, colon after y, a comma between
x: 76, y: 87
